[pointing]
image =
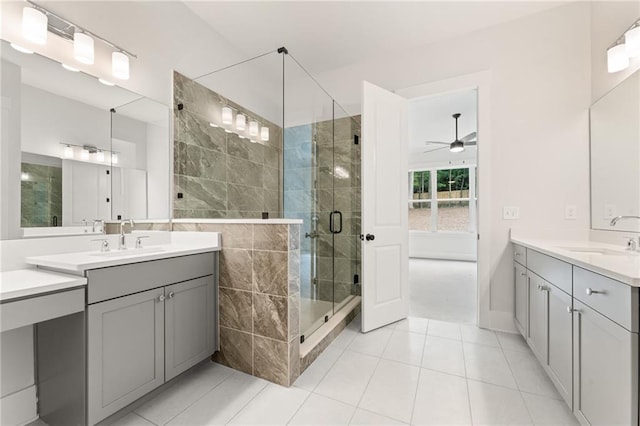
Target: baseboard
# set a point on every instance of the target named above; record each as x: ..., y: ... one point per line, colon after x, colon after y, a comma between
x: 19, y: 408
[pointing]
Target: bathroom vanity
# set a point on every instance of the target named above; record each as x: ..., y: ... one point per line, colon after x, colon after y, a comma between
x: 151, y: 314
x: 578, y: 308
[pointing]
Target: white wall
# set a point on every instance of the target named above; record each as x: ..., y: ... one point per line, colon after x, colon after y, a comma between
x: 443, y: 245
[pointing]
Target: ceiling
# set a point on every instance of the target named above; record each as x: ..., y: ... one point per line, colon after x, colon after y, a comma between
x: 329, y: 35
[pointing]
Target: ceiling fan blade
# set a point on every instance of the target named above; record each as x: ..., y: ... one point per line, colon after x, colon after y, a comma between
x: 440, y: 143
x: 471, y: 136
x: 471, y: 143
x: 437, y: 149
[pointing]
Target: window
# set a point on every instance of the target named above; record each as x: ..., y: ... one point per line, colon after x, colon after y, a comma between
x: 454, y: 205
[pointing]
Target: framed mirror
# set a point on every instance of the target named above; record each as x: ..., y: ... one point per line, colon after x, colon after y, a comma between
x: 615, y: 157
x: 87, y: 150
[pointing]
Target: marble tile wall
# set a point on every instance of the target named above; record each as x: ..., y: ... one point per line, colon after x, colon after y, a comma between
x: 218, y: 174
x: 40, y: 195
x: 322, y: 174
x: 259, y: 298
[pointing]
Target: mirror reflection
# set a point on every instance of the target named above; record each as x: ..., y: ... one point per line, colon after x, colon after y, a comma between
x: 615, y: 157
x: 87, y: 150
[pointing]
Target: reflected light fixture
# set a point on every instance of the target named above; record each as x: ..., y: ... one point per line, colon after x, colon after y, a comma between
x: 241, y: 122
x: 83, y: 48
x: 70, y: 68
x: 253, y: 129
x: 626, y: 46
x: 100, y: 156
x: 34, y: 25
x: 212, y: 124
x: 68, y: 151
x: 120, y: 65
x: 24, y: 176
x: 227, y: 115
x: 21, y: 49
x: 114, y: 158
x: 264, y: 133
x: 84, y: 154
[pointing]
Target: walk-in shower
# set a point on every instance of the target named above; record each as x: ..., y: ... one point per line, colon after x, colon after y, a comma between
x: 288, y: 150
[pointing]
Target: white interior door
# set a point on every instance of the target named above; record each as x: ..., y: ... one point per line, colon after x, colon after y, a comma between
x: 385, y: 254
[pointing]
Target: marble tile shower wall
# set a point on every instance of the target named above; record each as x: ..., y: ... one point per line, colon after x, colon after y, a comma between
x: 41, y: 195
x: 322, y: 175
x: 259, y: 298
x: 218, y: 174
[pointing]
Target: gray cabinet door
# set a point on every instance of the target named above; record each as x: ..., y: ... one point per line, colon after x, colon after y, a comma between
x: 560, y: 351
x: 125, y: 338
x: 605, y: 370
x: 189, y: 331
x: 521, y: 295
x: 537, y: 336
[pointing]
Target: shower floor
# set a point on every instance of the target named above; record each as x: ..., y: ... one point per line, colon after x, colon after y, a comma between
x: 312, y: 313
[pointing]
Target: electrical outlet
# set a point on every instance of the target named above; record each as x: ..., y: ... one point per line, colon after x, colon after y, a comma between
x: 610, y: 211
x: 570, y: 212
x: 510, y: 212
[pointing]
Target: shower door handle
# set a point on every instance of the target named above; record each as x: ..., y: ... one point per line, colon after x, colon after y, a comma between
x: 332, y: 227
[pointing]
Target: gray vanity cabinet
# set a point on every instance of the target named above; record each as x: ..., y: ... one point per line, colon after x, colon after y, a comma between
x: 189, y: 333
x: 604, y: 369
x: 522, y: 298
x: 560, y: 349
x: 537, y: 334
x: 125, y: 351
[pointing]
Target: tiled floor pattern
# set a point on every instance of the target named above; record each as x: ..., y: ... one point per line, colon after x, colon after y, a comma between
x: 417, y: 371
x: 444, y: 290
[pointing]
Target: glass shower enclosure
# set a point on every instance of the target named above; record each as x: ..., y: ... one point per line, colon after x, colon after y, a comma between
x: 309, y: 169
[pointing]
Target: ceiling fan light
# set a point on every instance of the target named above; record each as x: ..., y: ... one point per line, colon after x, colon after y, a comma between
x: 34, y: 25
x: 632, y: 42
x: 617, y: 58
x: 83, y: 48
x: 456, y: 146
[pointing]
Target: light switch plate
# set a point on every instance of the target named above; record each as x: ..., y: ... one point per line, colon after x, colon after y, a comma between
x: 511, y: 212
x: 570, y: 212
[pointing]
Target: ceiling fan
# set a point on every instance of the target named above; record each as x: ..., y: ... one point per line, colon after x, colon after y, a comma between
x: 458, y: 144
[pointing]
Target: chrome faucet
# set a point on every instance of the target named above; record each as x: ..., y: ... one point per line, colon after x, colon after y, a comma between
x: 101, y: 223
x: 617, y: 218
x: 122, y: 244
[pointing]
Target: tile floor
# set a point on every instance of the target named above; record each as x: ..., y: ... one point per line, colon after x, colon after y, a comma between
x: 416, y: 371
x: 443, y: 289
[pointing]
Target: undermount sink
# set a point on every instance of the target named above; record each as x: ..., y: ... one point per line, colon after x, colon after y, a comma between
x: 129, y: 252
x: 600, y: 251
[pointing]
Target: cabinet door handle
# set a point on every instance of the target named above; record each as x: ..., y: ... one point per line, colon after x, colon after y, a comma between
x: 523, y: 274
x: 571, y: 310
x: 171, y: 294
x: 518, y: 254
x: 590, y: 291
x: 544, y: 288
x: 161, y: 298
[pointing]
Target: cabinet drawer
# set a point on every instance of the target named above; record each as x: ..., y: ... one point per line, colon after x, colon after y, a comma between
x: 116, y: 281
x: 41, y: 308
x: 551, y: 269
x: 613, y: 299
x: 520, y: 254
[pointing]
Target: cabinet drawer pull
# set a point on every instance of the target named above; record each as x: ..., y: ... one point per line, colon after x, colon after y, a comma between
x: 523, y: 274
x: 161, y: 298
x: 171, y: 294
x: 544, y: 288
x: 590, y: 291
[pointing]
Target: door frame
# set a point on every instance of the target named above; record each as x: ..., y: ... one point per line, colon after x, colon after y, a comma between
x: 480, y: 81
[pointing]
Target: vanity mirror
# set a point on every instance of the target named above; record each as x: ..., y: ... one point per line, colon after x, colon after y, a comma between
x: 615, y: 157
x: 87, y: 150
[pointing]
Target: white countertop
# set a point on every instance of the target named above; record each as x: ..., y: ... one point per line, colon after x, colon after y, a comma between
x: 624, y: 267
x: 77, y: 263
x: 243, y: 221
x: 31, y: 282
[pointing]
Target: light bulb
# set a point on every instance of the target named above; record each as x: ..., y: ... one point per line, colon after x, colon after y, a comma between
x: 227, y: 115
x: 100, y: 156
x: 253, y: 128
x: 34, y: 25
x: 264, y: 133
x: 617, y: 58
x: 84, y: 154
x: 21, y: 49
x: 68, y: 151
x: 120, y: 65
x: 241, y: 122
x: 632, y: 42
x: 83, y: 48
x: 114, y: 158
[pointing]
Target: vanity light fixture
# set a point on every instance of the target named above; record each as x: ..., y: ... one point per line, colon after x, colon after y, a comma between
x: 83, y: 48
x: 120, y: 65
x: 68, y: 151
x: 264, y: 133
x: 227, y: 115
x: 114, y: 158
x: 21, y: 49
x: 253, y: 129
x: 241, y: 122
x: 70, y: 68
x: 34, y: 25
x: 626, y: 46
x: 84, y: 154
x: 24, y: 176
x: 212, y: 124
x: 100, y: 156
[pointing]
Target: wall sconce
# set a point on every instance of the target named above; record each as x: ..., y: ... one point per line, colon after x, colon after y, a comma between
x: 264, y: 133
x: 241, y: 122
x: 68, y: 151
x: 253, y: 129
x: 100, y: 156
x: 86, y: 152
x: 34, y: 25
x: 227, y: 115
x: 83, y: 48
x: 120, y: 65
x: 625, y: 47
